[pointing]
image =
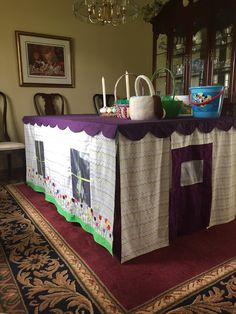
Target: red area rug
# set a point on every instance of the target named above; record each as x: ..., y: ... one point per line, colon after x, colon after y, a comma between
x: 144, y: 278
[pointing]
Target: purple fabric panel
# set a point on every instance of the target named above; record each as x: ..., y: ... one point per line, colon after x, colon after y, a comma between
x: 190, y: 205
x: 133, y: 130
x: 91, y: 124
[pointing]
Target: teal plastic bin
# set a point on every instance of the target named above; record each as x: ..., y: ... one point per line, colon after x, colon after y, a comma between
x: 206, y: 101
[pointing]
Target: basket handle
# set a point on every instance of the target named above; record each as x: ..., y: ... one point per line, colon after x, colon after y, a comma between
x: 149, y: 83
x: 117, y: 82
x: 157, y: 72
x: 207, y: 101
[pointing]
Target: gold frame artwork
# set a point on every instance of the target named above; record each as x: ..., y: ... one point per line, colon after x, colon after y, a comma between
x: 44, y: 60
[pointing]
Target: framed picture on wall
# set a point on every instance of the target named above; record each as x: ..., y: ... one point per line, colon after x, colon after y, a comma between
x: 44, y: 60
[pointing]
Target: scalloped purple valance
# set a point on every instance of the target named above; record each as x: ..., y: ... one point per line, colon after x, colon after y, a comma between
x: 133, y: 130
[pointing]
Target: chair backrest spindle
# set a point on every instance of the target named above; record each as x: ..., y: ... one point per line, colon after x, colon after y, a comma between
x: 53, y: 104
x: 8, y: 147
x: 6, y: 137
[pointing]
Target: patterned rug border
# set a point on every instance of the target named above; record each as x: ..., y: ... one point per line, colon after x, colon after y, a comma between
x: 10, y: 293
x: 92, y: 284
x: 185, y: 290
x: 87, y: 278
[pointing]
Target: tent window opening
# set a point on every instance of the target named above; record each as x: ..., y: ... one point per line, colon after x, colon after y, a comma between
x: 39, y: 148
x: 80, y: 168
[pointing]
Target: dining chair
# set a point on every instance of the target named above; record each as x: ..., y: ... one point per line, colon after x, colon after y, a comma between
x: 98, y: 101
x: 49, y: 104
x: 8, y: 147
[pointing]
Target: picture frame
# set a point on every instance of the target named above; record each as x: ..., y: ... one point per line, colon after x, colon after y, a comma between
x: 44, y: 60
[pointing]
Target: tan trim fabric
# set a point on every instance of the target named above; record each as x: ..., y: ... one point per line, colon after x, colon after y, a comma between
x: 144, y: 178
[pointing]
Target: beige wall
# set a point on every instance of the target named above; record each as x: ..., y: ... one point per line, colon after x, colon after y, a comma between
x: 98, y: 51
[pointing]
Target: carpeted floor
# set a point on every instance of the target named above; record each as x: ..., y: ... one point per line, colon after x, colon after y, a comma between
x: 52, y: 266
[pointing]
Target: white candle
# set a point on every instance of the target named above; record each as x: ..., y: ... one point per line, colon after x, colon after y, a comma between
x: 127, y: 85
x: 104, y: 92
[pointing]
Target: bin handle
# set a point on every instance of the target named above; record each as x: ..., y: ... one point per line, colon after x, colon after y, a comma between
x: 156, y: 74
x: 207, y: 101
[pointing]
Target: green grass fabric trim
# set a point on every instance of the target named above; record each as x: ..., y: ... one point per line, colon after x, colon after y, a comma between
x: 72, y: 218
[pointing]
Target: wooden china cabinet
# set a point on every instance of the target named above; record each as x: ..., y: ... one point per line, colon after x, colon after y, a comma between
x: 198, y: 43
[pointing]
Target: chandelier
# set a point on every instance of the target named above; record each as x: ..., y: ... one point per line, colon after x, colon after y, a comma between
x: 105, y: 12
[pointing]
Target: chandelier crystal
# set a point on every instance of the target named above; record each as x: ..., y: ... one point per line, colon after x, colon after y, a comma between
x: 106, y: 12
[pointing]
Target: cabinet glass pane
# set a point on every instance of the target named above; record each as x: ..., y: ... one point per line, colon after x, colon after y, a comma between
x: 178, y: 64
x: 222, y: 58
x: 161, y: 63
x: 199, y: 45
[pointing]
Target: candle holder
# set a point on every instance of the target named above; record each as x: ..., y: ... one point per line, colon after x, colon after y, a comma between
x: 108, y: 111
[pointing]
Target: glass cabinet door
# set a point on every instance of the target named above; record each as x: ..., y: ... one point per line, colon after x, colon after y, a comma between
x: 178, y: 64
x: 222, y: 58
x: 199, y: 44
x: 161, y: 59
